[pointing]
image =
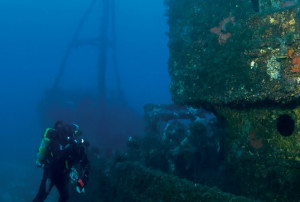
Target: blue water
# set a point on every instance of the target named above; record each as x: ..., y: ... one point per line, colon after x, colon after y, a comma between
x: 33, y: 39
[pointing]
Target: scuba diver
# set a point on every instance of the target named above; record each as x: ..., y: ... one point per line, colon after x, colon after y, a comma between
x: 63, y: 155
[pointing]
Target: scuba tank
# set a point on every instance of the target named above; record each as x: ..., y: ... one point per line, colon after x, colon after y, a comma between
x: 43, y: 148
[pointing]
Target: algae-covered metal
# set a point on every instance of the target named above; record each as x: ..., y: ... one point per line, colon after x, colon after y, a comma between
x: 134, y: 182
x: 263, y: 149
x: 259, y: 151
x: 223, y: 52
x: 242, y: 58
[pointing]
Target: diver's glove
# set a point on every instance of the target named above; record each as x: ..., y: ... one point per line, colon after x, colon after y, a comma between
x: 80, y: 186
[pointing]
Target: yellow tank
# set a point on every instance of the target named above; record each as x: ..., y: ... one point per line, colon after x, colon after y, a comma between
x: 43, y: 148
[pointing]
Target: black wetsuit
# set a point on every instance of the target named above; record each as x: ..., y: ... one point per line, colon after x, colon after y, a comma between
x: 63, y: 152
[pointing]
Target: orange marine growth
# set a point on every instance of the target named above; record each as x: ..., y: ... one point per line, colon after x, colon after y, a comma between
x: 296, y: 64
x: 296, y: 61
x: 290, y: 53
x: 220, y: 30
x: 295, y: 70
x: 255, y: 142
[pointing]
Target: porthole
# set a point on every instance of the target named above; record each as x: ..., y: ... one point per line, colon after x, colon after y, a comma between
x: 285, y: 125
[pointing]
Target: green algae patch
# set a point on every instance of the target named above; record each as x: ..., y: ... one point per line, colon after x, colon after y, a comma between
x: 137, y: 183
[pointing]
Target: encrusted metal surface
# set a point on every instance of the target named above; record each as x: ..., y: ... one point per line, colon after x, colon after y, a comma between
x: 264, y: 151
x: 224, y: 53
x: 242, y: 59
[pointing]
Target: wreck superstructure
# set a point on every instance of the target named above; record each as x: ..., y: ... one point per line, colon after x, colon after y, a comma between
x: 224, y: 53
x: 242, y: 60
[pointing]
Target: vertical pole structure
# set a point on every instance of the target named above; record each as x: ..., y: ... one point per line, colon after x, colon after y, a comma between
x: 102, y: 59
x: 106, y: 43
x: 71, y: 45
x: 114, y: 53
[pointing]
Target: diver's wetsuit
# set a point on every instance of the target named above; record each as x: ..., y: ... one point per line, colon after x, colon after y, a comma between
x: 50, y: 178
x: 63, y: 152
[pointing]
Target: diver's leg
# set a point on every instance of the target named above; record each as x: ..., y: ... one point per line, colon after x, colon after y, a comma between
x: 45, y: 187
x: 61, y: 184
